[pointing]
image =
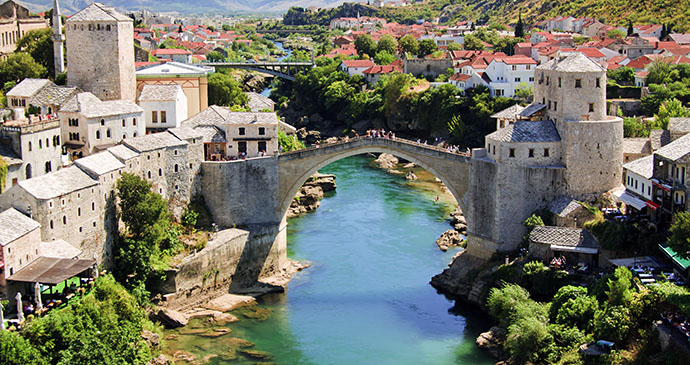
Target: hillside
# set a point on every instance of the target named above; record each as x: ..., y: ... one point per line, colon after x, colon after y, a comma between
x: 185, y: 6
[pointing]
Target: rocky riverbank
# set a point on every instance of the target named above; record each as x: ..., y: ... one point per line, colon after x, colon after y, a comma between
x: 309, y: 196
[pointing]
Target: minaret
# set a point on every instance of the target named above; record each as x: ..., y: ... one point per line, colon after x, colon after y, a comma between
x: 58, y: 40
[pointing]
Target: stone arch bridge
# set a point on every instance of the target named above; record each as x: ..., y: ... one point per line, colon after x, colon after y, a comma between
x: 294, y: 168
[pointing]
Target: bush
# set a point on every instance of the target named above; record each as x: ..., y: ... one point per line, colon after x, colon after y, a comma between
x: 189, y: 218
x: 578, y: 312
x: 612, y: 323
x: 563, y: 295
x: 526, y: 337
x: 15, y: 350
x: 512, y: 302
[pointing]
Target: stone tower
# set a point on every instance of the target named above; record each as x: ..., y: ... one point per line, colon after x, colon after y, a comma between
x: 58, y: 40
x: 573, y: 88
x: 100, y: 52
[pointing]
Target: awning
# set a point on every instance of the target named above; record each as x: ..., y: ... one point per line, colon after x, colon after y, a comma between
x: 661, y: 186
x: 632, y: 201
x: 652, y: 204
x: 575, y: 249
x: 51, y: 271
x: 682, y: 262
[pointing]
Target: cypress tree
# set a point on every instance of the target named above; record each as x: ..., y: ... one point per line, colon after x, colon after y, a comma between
x: 631, y: 30
x: 520, y: 27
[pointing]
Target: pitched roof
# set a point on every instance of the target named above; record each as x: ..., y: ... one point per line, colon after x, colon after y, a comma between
x: 642, y: 166
x: 258, y: 102
x: 563, y: 205
x: 54, y: 95
x: 358, y: 63
x: 122, y: 152
x: 214, y: 114
x: 676, y: 149
x: 211, y: 134
x: 99, y: 163
x: 13, y: 225
x: 659, y: 138
x: 98, y: 12
x: 637, y: 145
x: 28, y: 88
x: 152, y: 142
x: 572, y: 62
x: 251, y: 118
x: 532, y: 109
x: 160, y: 92
x: 92, y: 107
x: 676, y: 124
x: 512, y: 112
x: 170, y: 51
x: 526, y: 131
x: 60, y: 182
x: 385, y: 69
x: 185, y: 133
x: 563, y: 236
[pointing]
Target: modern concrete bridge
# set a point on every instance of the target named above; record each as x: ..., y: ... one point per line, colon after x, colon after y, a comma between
x: 286, y: 70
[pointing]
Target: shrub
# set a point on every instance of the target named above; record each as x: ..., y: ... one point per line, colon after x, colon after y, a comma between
x: 525, y: 338
x: 512, y: 302
x: 563, y: 295
x: 578, y: 312
x: 612, y: 323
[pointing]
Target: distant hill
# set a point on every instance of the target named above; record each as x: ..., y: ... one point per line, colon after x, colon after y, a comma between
x: 186, y: 6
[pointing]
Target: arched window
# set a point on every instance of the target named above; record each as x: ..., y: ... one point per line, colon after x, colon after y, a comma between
x: 123, y: 123
x: 29, y: 146
x: 51, y: 224
x: 93, y: 206
x: 135, y: 134
x: 48, y: 167
x: 134, y: 121
x: 40, y: 145
x: 47, y: 142
x: 176, y: 168
x: 102, y: 121
x: 124, y: 135
x: 98, y: 134
x: 28, y: 171
x: 64, y: 219
x: 160, y: 172
x: 107, y: 133
x: 149, y: 174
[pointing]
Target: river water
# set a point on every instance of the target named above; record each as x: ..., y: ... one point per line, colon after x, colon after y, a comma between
x: 366, y: 298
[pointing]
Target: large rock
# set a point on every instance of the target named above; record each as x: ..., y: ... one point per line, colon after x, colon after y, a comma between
x: 309, y: 196
x: 492, y: 342
x: 228, y: 302
x: 325, y: 181
x: 171, y: 318
x: 449, y: 238
x: 160, y: 360
x: 411, y: 176
x: 313, y: 137
x: 386, y: 161
x: 151, y: 338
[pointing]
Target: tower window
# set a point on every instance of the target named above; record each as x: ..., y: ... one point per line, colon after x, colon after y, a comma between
x: 598, y: 82
x: 578, y: 83
x: 591, y: 107
x: 262, y: 131
x: 102, y: 121
x: 555, y: 105
x: 546, y: 152
x: 511, y: 152
x: 559, y: 82
x: 531, y: 152
x: 241, y: 131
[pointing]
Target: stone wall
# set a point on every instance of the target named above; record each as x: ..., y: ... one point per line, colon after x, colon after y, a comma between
x: 592, y: 152
x: 427, y: 67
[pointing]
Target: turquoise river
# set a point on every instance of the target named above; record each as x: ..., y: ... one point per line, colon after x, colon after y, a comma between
x: 366, y: 298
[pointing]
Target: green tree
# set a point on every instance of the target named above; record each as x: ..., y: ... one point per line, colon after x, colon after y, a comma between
x: 670, y: 109
x: 635, y: 128
x: 619, y: 287
x: 383, y: 58
x: 426, y: 47
x: 612, y: 323
x: 520, y: 27
x: 224, y: 90
x: 526, y: 337
x: 615, y: 34
x: 338, y: 93
x: 15, y: 350
x: 578, y: 312
x: 524, y: 91
x: 631, y: 29
x: 289, y: 143
x: 473, y: 43
x: 408, y: 44
x: 39, y: 44
x: 622, y: 75
x: 387, y: 43
x: 19, y: 66
x: 364, y: 44
x: 454, y: 46
x: 680, y: 234
x: 215, y: 56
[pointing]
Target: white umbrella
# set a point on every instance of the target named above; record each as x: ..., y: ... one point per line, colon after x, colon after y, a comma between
x: 39, y: 301
x: 2, y: 317
x: 20, y: 310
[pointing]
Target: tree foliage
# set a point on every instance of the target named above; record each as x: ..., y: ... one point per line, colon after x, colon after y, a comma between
x: 19, y: 66
x: 426, y: 47
x: 680, y: 234
x: 472, y: 43
x: 364, y: 44
x: 387, y: 43
x: 39, y: 44
x: 224, y: 90
x: 383, y: 58
x: 289, y: 143
x: 408, y: 44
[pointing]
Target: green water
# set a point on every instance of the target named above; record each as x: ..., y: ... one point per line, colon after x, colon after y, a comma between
x: 366, y: 298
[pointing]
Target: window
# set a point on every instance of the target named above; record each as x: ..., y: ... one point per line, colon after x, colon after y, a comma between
x: 531, y: 79
x: 517, y: 79
x: 107, y: 133
x: 262, y: 131
x: 529, y: 67
x: 39, y: 144
x: 549, y: 104
x: 511, y: 152
x: 176, y: 168
x: 64, y: 219
x: 262, y: 146
x: 49, y: 168
x: 123, y: 123
x: 51, y: 224
x: 149, y: 174
x: 531, y: 152
x: 134, y: 122
x: 160, y: 172
x: 578, y: 83
x: 98, y: 134
x: 493, y: 149
x: 79, y: 212
x: 163, y: 116
x: 29, y: 146
x: 242, y: 147
x: 559, y: 82
x: 241, y: 131
x: 102, y: 121
x: 514, y: 67
x: 591, y: 107
x: 598, y: 83
x: 93, y: 206
x: 547, y: 80
x: 543, y: 101
x: 546, y: 152
x: 154, y: 117
x: 555, y: 105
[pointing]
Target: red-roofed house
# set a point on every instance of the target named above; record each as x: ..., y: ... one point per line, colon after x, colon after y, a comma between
x: 356, y: 67
x: 641, y: 78
x: 680, y: 38
x: 173, y: 54
x: 590, y: 52
x: 507, y: 73
x: 460, y: 80
x: 372, y: 74
x: 345, y: 52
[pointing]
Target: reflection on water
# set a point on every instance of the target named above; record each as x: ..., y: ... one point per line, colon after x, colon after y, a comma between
x: 366, y: 297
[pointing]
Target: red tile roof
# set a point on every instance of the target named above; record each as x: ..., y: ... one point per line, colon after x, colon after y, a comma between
x: 170, y: 51
x: 385, y: 69
x: 358, y: 63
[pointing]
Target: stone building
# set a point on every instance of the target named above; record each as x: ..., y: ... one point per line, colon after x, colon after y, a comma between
x: 100, y: 53
x: 578, y: 246
x: 231, y: 135
x: 260, y: 103
x: 90, y: 124
x: 567, y: 146
x: 19, y: 237
x: 165, y: 106
x: 678, y: 127
x: 15, y: 21
x: 192, y: 79
x: 427, y: 66
x: 39, y: 93
x: 31, y: 146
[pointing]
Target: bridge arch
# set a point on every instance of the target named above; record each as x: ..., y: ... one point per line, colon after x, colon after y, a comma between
x: 296, y: 167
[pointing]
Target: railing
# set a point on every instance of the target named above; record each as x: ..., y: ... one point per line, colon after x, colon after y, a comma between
x: 364, y: 138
